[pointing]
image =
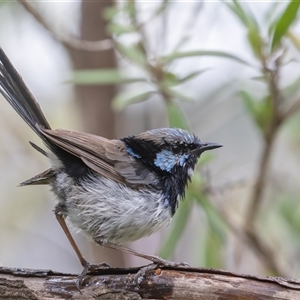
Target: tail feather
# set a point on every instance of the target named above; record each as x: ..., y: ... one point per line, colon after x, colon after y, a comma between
x: 15, y: 91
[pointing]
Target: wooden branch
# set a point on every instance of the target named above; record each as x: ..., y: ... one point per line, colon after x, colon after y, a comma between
x: 175, y: 283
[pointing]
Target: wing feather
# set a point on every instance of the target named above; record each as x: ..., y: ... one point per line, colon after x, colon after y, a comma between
x: 106, y: 157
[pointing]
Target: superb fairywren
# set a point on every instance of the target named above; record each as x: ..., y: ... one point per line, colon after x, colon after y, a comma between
x: 115, y: 191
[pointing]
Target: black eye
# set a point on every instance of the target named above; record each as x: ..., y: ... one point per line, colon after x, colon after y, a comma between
x: 176, y: 149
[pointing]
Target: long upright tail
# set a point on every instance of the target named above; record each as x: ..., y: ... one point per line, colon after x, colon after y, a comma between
x: 15, y: 91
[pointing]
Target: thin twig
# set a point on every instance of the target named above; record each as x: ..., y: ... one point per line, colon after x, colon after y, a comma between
x: 190, y: 23
x: 68, y: 41
x: 269, y: 256
x: 249, y: 236
x: 261, y: 179
x: 140, y: 28
x: 270, y: 135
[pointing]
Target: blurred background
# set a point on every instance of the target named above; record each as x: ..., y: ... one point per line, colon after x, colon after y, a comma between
x: 227, y: 71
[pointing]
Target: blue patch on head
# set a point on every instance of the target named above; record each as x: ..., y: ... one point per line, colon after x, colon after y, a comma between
x: 166, y: 160
x: 132, y: 153
x: 183, y: 135
x: 182, y: 159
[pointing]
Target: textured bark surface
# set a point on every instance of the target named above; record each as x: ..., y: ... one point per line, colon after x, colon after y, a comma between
x: 177, y: 283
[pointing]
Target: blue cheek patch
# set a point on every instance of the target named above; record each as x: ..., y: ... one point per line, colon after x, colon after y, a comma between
x: 166, y: 160
x: 132, y: 153
x: 182, y: 159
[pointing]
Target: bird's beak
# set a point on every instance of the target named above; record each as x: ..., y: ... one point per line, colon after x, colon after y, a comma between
x: 207, y: 146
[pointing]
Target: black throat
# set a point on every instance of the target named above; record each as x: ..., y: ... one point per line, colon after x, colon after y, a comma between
x: 173, y: 187
x: 171, y: 183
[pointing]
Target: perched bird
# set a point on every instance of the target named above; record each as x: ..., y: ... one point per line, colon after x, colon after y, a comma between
x: 114, y: 191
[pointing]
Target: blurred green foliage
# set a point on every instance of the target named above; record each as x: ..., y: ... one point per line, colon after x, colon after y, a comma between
x: 269, y: 112
x: 159, y: 80
x: 155, y: 77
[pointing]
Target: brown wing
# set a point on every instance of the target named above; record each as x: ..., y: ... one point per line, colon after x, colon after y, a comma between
x: 107, y: 157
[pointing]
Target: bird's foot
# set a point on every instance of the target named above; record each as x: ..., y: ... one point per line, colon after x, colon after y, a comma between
x: 89, y: 268
x: 157, y: 263
x: 168, y: 264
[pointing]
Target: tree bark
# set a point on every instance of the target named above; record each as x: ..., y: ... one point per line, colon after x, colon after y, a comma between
x: 117, y: 283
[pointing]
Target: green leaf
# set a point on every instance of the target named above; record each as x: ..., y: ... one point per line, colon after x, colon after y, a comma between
x: 294, y: 39
x: 269, y: 14
x: 118, y: 29
x: 177, y: 229
x: 217, y: 228
x: 289, y: 210
x: 214, y: 218
x: 249, y: 21
x: 255, y: 40
x: 123, y: 99
x: 259, y: 110
x: 102, y: 76
x: 177, y: 95
x: 238, y: 11
x: 178, y: 55
x: 134, y: 54
x: 192, y: 75
x: 261, y: 78
x: 170, y: 79
x: 284, y: 22
x: 110, y: 12
x: 176, y: 117
x: 130, y: 9
x: 250, y: 104
x: 213, y: 245
x: 245, y: 15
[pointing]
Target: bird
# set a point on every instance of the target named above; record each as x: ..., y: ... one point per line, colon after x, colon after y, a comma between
x: 114, y: 191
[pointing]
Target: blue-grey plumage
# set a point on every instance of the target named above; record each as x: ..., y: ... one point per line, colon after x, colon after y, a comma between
x: 170, y: 156
x: 166, y: 160
x: 115, y: 191
x: 152, y: 173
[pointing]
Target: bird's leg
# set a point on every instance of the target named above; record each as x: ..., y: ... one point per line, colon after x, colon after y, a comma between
x: 61, y: 220
x: 156, y: 260
x: 86, y: 265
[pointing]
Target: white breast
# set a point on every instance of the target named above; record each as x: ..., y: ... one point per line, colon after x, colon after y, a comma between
x: 111, y: 212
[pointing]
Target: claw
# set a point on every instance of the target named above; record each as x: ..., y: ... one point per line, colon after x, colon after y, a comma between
x: 89, y: 268
x: 142, y: 271
x: 159, y: 262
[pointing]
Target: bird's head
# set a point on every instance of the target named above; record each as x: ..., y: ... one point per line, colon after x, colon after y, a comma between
x: 171, y: 154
